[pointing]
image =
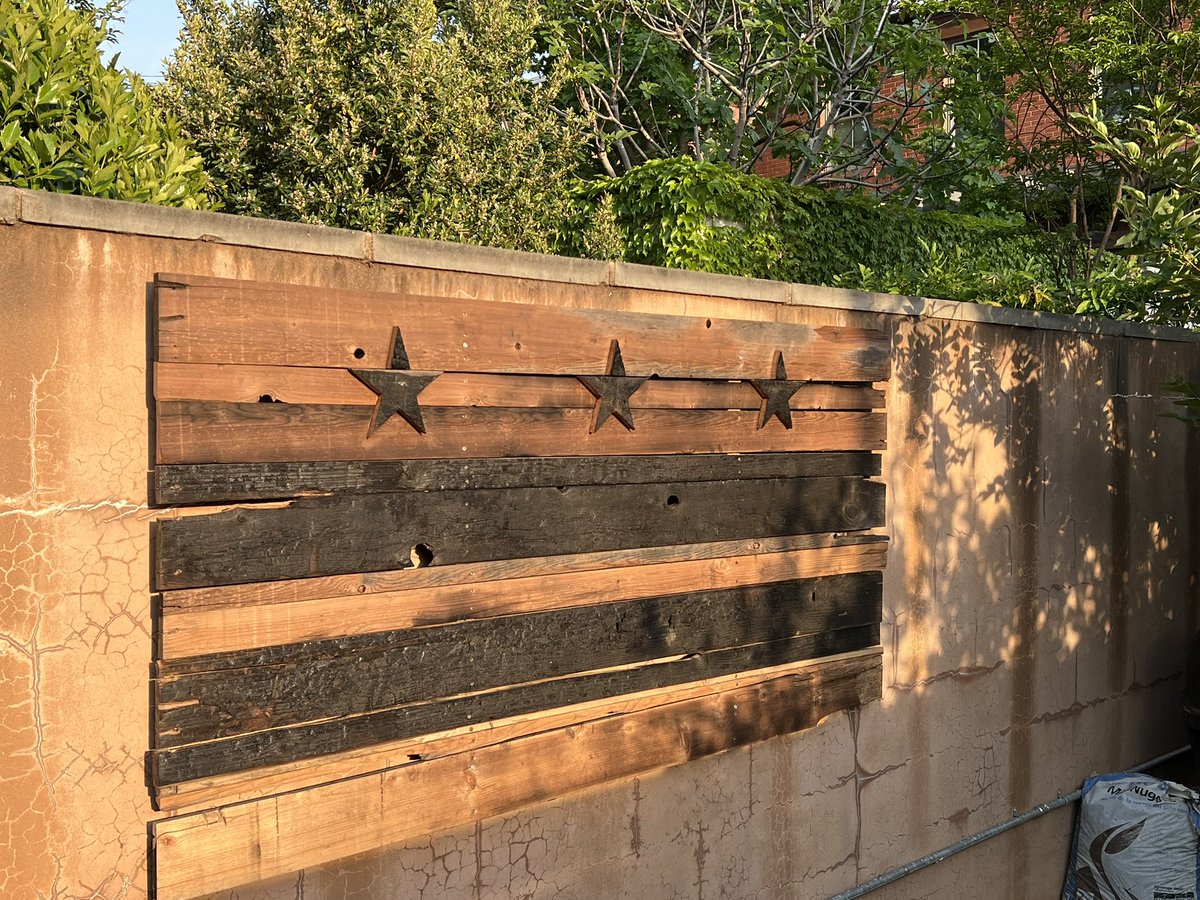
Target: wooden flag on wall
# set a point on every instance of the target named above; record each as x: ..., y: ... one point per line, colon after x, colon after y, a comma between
x: 445, y: 528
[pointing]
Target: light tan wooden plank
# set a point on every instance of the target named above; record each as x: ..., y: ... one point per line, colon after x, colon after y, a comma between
x: 295, y: 384
x: 247, y: 627
x: 199, y: 432
x: 264, y: 324
x: 369, y: 583
x: 251, y: 842
x: 254, y: 784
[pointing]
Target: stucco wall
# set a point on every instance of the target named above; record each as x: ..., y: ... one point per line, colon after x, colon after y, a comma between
x: 1040, y: 591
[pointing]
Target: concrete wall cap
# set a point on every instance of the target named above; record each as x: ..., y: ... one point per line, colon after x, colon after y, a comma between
x: 10, y: 206
x: 89, y: 213
x: 685, y: 281
x: 409, y: 251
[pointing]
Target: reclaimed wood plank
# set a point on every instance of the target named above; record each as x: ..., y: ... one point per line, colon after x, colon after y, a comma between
x: 296, y: 384
x: 466, y: 575
x: 206, y: 630
x: 273, y: 324
x: 196, y: 431
x: 373, y: 532
x: 217, y: 696
x: 282, y: 745
x: 254, y: 784
x: 251, y: 842
x: 230, y: 482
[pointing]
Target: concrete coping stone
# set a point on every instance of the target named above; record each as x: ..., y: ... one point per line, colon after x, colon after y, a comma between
x: 89, y: 213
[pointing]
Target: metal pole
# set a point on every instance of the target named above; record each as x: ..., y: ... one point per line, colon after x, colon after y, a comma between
x: 928, y: 860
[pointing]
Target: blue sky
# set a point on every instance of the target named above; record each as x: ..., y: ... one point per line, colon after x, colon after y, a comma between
x: 149, y: 33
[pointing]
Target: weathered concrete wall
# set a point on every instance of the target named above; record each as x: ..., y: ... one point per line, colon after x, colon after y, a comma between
x: 1042, y: 584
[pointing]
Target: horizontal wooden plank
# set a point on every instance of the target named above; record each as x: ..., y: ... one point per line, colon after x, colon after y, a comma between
x: 195, y: 431
x: 201, y: 854
x: 231, y: 482
x: 296, y: 384
x: 366, y: 584
x: 374, y: 532
x: 254, y: 784
x: 292, y: 325
x: 212, y: 697
x: 281, y: 745
x: 192, y: 632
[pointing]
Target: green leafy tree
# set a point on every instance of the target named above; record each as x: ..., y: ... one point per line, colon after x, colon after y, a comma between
x: 71, y: 123
x: 1059, y: 58
x: 388, y: 115
x: 1157, y: 153
x: 838, y: 89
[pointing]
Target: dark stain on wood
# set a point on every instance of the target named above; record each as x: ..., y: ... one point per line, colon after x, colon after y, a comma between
x: 205, y: 698
x: 374, y: 532
x: 282, y: 745
x: 228, y: 482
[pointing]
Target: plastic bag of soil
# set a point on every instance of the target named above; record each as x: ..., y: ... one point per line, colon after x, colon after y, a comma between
x: 1137, y: 838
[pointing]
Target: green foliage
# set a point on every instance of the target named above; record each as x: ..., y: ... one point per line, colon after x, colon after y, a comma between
x: 390, y: 116
x: 1157, y: 153
x: 1188, y: 400
x: 70, y: 123
x: 683, y: 214
x: 833, y: 88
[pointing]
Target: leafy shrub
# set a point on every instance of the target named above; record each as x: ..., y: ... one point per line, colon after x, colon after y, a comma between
x: 71, y: 123
x: 693, y: 215
x: 399, y: 116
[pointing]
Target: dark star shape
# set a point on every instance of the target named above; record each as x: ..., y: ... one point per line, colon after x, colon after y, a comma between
x: 396, y: 387
x: 776, y: 394
x: 612, y: 391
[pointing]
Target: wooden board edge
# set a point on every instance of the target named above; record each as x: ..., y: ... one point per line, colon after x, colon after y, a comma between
x: 205, y: 632
x: 258, y: 783
x: 462, y: 574
x: 247, y: 843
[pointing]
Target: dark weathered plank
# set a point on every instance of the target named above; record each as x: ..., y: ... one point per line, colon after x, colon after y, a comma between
x: 374, y: 532
x: 234, y: 693
x: 292, y: 325
x: 281, y: 745
x: 254, y: 784
x: 204, y: 854
x: 229, y: 482
x: 183, y: 633
x: 193, y: 431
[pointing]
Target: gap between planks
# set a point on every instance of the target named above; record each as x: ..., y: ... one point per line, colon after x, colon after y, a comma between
x: 251, y: 842
x: 252, y: 625
x: 196, y: 431
x: 300, y: 384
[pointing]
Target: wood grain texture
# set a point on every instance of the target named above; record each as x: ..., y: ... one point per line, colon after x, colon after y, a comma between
x: 218, y: 696
x: 469, y: 575
x: 291, y: 325
x: 374, y: 532
x: 295, y: 384
x: 201, y: 854
x: 206, y: 630
x: 231, y: 482
x: 195, y: 431
x: 305, y: 741
x: 253, y: 784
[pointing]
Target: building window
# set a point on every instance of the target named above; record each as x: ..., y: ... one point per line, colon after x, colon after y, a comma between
x: 972, y: 50
x: 852, y: 123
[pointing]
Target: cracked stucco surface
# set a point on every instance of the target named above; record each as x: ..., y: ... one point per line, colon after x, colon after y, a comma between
x: 1035, y: 617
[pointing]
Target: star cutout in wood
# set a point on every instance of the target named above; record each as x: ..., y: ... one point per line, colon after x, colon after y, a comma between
x: 776, y: 394
x: 396, y: 387
x: 612, y: 391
